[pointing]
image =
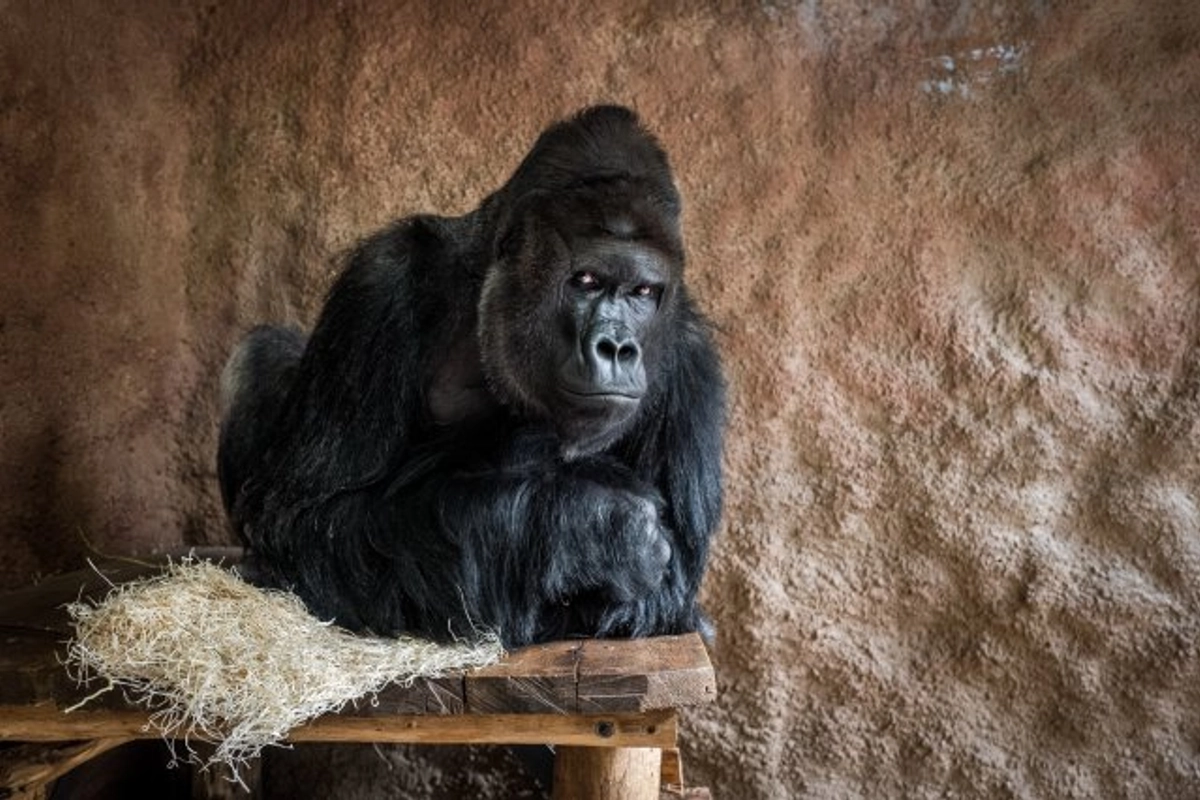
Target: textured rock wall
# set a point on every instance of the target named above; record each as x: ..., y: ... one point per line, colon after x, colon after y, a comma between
x: 952, y: 249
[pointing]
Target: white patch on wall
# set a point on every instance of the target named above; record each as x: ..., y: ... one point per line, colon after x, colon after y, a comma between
x: 963, y: 73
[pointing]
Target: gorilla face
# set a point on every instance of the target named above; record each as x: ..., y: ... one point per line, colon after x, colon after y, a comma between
x: 601, y: 356
x: 569, y: 319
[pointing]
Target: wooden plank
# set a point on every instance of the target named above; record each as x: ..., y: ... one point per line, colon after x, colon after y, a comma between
x: 425, y: 696
x: 542, y: 678
x: 31, y: 666
x: 637, y: 675
x: 596, y: 676
x: 562, y: 677
x: 650, y: 729
x: 41, y: 607
x: 445, y: 695
x: 658, y: 728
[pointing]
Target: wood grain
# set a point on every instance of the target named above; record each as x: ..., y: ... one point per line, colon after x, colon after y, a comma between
x: 650, y: 729
x: 588, y: 773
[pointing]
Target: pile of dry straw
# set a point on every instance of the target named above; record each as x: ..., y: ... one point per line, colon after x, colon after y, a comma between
x: 220, y: 661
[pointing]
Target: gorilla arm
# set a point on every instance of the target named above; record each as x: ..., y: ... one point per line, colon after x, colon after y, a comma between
x: 344, y: 422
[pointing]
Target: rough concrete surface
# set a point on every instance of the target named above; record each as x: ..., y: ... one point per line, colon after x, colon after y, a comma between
x: 952, y: 249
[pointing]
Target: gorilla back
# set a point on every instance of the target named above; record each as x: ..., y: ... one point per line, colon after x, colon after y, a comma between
x: 509, y: 420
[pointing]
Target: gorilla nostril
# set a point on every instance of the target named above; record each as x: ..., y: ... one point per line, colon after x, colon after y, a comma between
x: 628, y: 352
x: 607, y: 350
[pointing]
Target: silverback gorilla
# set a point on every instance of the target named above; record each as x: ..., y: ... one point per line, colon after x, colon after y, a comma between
x: 510, y: 420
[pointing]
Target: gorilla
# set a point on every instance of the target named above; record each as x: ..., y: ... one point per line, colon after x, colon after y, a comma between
x: 510, y: 420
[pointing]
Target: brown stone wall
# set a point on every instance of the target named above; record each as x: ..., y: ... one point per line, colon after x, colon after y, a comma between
x: 953, y: 249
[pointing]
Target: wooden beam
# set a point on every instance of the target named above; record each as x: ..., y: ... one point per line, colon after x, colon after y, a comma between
x: 542, y: 678
x: 640, y: 674
x: 658, y: 728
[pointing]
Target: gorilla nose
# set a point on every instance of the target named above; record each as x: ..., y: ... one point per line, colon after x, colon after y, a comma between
x: 616, y: 350
x: 614, y: 359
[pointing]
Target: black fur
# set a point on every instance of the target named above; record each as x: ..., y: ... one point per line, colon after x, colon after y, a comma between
x: 507, y: 420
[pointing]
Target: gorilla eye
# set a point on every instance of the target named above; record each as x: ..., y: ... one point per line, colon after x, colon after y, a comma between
x: 585, y: 280
x: 645, y: 290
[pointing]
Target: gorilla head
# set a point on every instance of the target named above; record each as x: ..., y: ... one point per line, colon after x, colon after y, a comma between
x: 582, y: 281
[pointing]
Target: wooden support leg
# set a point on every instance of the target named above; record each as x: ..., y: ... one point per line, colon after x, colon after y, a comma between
x: 672, y: 768
x: 26, y: 771
x: 607, y: 773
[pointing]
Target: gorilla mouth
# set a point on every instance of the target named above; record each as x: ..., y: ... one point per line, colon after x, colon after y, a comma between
x: 601, y: 398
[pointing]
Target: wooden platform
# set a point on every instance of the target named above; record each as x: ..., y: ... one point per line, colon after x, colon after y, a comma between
x: 609, y: 705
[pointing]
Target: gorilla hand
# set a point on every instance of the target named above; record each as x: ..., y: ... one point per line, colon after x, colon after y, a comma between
x: 621, y: 548
x: 640, y: 548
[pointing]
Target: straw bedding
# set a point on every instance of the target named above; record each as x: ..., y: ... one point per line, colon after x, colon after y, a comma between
x: 220, y: 661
